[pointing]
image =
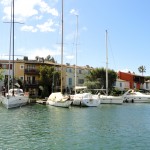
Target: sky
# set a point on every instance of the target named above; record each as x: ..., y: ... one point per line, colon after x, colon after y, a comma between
x: 38, y: 32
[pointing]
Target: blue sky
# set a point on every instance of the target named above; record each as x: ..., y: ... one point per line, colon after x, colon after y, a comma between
x: 127, y: 23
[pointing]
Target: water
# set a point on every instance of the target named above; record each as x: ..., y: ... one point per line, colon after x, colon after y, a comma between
x: 107, y: 127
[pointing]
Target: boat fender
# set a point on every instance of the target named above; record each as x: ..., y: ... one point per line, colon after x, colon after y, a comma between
x: 132, y: 101
x: 126, y: 101
x: 80, y: 103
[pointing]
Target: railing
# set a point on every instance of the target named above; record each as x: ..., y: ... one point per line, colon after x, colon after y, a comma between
x: 31, y: 71
x: 31, y: 83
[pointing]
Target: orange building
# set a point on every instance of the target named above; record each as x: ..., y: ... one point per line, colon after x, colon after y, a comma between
x: 136, y: 81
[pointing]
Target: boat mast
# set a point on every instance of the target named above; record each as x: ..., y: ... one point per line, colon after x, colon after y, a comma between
x: 62, y: 28
x: 13, y: 47
x: 76, y: 54
x: 10, y: 40
x: 106, y: 66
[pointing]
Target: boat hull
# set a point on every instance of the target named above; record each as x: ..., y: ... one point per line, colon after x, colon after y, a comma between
x: 137, y: 100
x: 65, y: 104
x: 86, y: 99
x: 58, y: 100
x: 14, y: 101
x: 132, y: 96
x: 90, y: 102
x: 111, y: 99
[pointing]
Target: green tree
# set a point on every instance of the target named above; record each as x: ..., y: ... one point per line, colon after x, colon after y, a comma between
x: 1, y: 74
x: 49, y: 79
x: 97, y: 78
x: 142, y: 69
x: 50, y: 58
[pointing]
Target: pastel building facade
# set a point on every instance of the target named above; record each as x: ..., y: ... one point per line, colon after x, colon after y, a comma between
x: 135, y: 81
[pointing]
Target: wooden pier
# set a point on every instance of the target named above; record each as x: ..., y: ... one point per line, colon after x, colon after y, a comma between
x: 43, y: 102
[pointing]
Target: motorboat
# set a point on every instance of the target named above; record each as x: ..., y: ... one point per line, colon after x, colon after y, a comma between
x: 133, y: 96
x: 15, y: 98
x: 59, y: 100
x: 85, y: 99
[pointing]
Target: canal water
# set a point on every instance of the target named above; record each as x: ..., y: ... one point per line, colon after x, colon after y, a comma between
x: 106, y: 127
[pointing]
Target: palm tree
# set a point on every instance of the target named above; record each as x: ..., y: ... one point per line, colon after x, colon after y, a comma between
x: 142, y: 69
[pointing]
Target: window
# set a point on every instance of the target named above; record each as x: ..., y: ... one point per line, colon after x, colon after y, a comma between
x: 70, y: 70
x: 120, y: 84
x: 80, y: 81
x: 21, y: 66
x: 80, y: 71
x: 22, y: 78
x: 31, y: 66
x: 70, y: 81
x: 147, y: 86
x: 28, y: 80
x: 4, y: 66
x: 114, y: 84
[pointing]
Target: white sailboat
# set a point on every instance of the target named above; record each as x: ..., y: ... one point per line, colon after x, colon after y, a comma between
x: 108, y: 99
x: 15, y: 96
x: 57, y: 98
x: 85, y: 98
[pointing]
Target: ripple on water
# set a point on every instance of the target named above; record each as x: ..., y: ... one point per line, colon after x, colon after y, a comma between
x: 105, y: 127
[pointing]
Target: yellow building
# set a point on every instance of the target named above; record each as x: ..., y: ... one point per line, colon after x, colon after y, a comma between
x: 27, y: 71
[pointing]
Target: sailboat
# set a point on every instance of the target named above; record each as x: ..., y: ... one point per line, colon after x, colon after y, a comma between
x: 15, y: 96
x: 85, y: 98
x: 108, y: 99
x: 57, y: 98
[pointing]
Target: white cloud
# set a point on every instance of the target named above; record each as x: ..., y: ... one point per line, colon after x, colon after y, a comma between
x: 42, y: 52
x: 84, y: 29
x: 27, y: 8
x: 45, y: 8
x: 74, y: 12
x: 38, y: 17
x: 5, y: 2
x: 28, y: 28
x: 47, y: 26
x: 70, y: 57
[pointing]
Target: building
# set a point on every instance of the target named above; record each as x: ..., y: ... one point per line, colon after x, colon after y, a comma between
x: 7, y: 70
x: 135, y: 81
x: 75, y: 76
x: 28, y: 72
x: 122, y: 85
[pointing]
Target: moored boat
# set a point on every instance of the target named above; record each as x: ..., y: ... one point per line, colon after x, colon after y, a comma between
x: 15, y: 98
x: 59, y: 100
x: 109, y: 99
x: 132, y: 96
x: 86, y: 99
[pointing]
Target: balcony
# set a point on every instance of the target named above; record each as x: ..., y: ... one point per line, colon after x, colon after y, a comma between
x: 31, y: 71
x: 31, y: 84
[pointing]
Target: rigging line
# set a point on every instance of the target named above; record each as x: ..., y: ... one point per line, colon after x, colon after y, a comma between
x: 111, y: 51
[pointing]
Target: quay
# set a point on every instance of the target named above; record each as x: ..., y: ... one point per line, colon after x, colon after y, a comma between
x: 43, y: 102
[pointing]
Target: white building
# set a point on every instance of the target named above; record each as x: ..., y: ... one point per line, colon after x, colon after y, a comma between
x: 146, y: 85
x: 76, y: 74
x: 122, y: 85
